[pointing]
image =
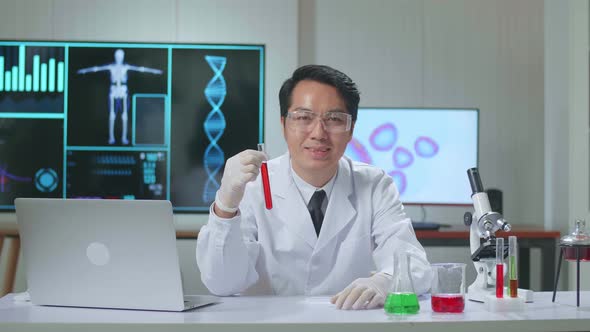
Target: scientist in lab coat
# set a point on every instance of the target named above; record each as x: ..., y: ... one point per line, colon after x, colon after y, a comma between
x: 334, y: 224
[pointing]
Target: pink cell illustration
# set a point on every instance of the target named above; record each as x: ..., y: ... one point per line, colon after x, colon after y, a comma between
x: 400, y: 180
x: 402, y: 157
x: 384, y: 137
x: 425, y: 147
x: 357, y: 151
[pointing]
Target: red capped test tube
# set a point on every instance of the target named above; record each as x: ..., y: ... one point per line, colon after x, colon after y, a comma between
x: 265, y: 181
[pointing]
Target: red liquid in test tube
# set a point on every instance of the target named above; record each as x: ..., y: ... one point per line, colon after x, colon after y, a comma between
x: 499, y: 267
x: 513, y: 286
x: 265, y: 180
x: 500, y: 281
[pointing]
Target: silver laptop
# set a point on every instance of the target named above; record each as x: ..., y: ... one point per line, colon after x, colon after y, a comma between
x: 102, y: 253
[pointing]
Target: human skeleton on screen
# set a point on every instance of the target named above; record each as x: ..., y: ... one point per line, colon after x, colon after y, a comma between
x: 118, y: 91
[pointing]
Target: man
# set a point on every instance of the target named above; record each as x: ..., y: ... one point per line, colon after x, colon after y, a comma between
x: 355, y: 221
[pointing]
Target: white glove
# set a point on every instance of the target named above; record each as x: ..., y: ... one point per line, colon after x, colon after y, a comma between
x: 363, y: 293
x: 239, y: 170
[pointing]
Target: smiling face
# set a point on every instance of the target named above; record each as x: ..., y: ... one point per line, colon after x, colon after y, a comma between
x: 315, y: 153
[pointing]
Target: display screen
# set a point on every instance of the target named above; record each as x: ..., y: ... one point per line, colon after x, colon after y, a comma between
x: 125, y: 120
x: 426, y: 151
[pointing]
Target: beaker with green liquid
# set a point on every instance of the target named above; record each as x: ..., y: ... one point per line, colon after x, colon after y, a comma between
x: 401, y: 298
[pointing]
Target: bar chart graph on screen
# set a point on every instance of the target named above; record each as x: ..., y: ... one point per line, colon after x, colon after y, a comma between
x: 32, y: 69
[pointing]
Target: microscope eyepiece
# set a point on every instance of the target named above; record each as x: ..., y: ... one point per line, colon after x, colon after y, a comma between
x: 475, y: 181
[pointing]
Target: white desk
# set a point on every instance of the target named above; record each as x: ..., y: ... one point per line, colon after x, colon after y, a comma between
x: 298, y: 314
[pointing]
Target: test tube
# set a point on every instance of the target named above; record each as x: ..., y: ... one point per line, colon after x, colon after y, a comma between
x: 499, y: 267
x: 265, y: 181
x: 512, y: 266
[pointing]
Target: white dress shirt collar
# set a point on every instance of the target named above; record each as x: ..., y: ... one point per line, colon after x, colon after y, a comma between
x: 306, y: 190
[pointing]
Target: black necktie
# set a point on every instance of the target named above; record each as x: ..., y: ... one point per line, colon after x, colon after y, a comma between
x: 315, y: 209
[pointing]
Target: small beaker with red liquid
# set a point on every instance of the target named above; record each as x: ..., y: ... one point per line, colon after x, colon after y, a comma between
x: 448, y: 287
x: 577, y: 241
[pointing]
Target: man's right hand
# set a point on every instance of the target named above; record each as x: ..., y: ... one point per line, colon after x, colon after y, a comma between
x: 239, y: 170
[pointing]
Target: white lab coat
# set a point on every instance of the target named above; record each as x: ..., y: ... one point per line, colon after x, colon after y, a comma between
x: 277, y: 251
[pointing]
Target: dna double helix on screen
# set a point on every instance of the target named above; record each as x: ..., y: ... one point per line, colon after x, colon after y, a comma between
x: 214, y: 126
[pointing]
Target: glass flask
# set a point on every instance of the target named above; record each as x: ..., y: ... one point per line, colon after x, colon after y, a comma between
x: 578, y: 240
x: 402, y: 298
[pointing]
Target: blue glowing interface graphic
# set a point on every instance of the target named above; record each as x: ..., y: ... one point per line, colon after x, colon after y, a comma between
x: 426, y: 151
x: 125, y: 120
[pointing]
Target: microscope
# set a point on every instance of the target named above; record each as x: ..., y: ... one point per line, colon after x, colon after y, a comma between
x: 482, y: 240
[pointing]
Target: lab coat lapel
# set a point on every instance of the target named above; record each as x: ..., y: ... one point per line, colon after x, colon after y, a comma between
x: 290, y: 207
x: 340, y: 210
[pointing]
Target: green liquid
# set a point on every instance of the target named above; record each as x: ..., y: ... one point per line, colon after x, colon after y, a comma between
x: 401, y: 303
x: 512, y: 268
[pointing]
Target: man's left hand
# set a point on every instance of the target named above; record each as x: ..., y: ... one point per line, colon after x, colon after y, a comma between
x: 363, y: 293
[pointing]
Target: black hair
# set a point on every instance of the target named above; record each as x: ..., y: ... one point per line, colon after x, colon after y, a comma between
x: 326, y: 75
